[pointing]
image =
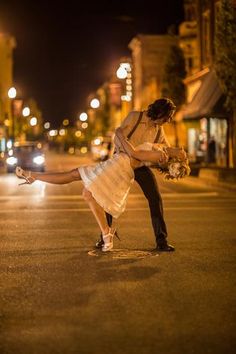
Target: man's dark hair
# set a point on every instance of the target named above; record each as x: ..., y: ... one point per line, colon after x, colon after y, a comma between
x: 163, y: 107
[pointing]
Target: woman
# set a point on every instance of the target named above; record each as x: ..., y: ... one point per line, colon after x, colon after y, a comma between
x: 110, y: 181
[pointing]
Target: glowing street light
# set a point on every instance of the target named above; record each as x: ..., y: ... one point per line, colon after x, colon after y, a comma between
x: 84, y: 125
x: 62, y: 132
x: 66, y: 122
x: 121, y: 73
x: 78, y: 133
x: 124, y: 72
x: 33, y: 121
x: 95, y: 103
x: 26, y: 111
x: 12, y: 92
x: 53, y: 132
x: 47, y: 125
x: 83, y: 117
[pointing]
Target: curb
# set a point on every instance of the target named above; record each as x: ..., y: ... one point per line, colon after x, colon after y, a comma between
x: 218, y: 184
x: 204, y: 182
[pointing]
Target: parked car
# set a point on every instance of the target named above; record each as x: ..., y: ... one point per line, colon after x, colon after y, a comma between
x: 28, y: 155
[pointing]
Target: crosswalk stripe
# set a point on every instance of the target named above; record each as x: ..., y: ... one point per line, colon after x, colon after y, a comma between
x: 79, y: 197
x: 57, y: 210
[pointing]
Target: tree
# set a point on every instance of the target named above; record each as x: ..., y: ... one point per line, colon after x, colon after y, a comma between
x: 174, y: 73
x: 225, y: 66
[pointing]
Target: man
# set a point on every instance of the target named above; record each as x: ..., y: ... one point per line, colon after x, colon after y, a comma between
x: 140, y: 127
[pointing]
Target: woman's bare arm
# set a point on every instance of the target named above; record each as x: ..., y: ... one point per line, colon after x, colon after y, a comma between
x: 141, y: 155
x: 173, y: 151
x: 127, y: 146
x: 127, y: 123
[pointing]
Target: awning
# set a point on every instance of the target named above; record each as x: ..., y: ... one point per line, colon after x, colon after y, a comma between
x: 206, y: 97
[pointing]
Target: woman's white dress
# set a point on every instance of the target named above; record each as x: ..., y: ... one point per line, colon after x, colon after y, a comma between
x: 110, y: 181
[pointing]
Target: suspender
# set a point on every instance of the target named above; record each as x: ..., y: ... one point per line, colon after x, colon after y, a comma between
x: 136, y: 125
x: 158, y: 135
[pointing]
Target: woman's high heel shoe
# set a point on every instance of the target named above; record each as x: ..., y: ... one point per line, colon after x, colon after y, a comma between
x: 22, y: 174
x: 108, y: 240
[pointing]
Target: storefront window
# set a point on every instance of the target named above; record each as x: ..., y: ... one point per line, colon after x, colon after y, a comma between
x: 192, y: 139
x: 217, y: 138
x: 207, y: 142
x: 197, y: 142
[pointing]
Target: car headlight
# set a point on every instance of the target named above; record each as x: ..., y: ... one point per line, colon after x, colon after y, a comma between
x: 39, y: 160
x: 11, y: 160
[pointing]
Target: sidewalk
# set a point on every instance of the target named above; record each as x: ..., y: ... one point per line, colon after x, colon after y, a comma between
x: 224, y: 178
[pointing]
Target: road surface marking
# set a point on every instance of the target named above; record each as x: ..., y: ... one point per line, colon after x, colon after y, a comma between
x: 55, y: 210
x: 123, y: 254
x: 79, y: 197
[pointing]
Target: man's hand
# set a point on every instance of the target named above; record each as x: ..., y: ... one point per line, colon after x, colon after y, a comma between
x: 181, y: 154
x: 176, y: 152
x: 163, y: 158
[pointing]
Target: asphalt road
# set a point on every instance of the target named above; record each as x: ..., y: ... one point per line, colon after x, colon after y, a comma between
x: 58, y: 295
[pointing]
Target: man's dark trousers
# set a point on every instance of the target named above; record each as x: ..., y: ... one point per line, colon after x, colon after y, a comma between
x: 147, y: 181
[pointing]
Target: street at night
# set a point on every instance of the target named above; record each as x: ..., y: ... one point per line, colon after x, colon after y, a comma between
x: 98, y: 102
x: 59, y: 295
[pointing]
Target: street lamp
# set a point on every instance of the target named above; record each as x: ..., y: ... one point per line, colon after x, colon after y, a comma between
x: 83, y: 117
x: 66, y: 122
x: 33, y: 121
x: 12, y: 94
x: 26, y: 111
x: 47, y: 125
x: 95, y: 103
x: 124, y: 73
x: 121, y: 73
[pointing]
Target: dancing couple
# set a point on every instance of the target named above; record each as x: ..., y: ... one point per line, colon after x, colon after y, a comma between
x: 140, y: 144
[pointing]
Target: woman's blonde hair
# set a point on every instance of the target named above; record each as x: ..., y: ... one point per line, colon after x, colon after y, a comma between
x: 182, y: 168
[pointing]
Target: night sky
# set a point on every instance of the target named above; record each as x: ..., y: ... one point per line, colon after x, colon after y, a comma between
x: 65, y: 51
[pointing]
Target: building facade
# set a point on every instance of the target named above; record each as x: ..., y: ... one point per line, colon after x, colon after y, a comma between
x: 204, y: 115
x: 149, y: 54
x: 7, y: 45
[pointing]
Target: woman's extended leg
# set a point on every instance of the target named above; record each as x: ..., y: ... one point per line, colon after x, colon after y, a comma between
x: 100, y: 216
x: 54, y: 177
x: 97, y: 211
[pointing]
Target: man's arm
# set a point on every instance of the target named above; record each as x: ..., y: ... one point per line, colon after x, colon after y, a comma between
x: 141, y: 155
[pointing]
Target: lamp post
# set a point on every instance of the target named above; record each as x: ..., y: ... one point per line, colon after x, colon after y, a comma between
x: 12, y: 94
x: 124, y: 73
x: 95, y: 118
